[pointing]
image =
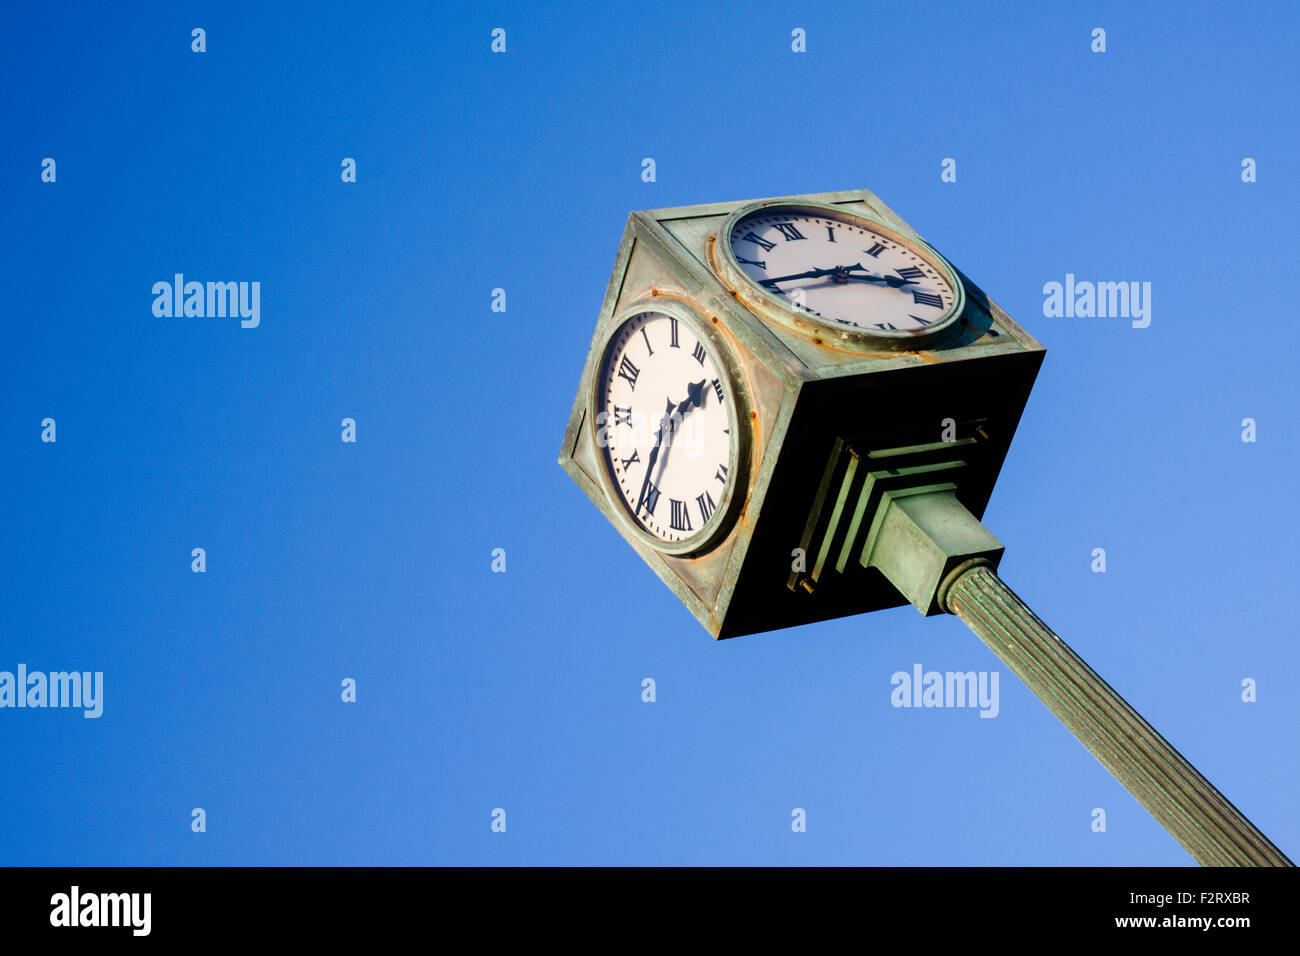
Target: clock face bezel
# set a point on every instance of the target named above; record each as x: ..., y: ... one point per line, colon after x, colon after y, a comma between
x: 724, y: 515
x: 828, y: 331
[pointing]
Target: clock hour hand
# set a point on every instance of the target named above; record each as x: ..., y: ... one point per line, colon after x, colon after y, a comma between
x: 894, y: 282
x: 695, y: 393
x: 694, y: 397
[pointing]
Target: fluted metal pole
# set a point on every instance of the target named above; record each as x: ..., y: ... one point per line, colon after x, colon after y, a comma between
x: 1200, y: 818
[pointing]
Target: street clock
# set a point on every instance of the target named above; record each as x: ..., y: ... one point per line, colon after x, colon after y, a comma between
x: 667, y: 420
x: 746, y: 355
x: 796, y: 409
x: 848, y: 280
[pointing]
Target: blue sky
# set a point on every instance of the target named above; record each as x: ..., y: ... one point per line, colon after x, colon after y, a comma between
x: 371, y: 560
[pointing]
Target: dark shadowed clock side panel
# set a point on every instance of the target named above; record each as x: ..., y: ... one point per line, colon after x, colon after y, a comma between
x: 884, y: 410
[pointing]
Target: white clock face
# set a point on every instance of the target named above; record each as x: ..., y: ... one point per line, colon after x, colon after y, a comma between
x: 844, y: 271
x: 664, y: 420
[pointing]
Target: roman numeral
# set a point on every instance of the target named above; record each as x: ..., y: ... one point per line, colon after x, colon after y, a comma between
x: 699, y: 353
x: 919, y: 319
x: 717, y: 388
x: 830, y: 233
x: 647, y: 341
x: 705, y: 501
x: 911, y: 273
x: 927, y: 298
x: 875, y: 250
x: 651, y: 497
x: 681, y: 519
x: 628, y: 371
x: 750, y: 262
x: 750, y: 237
x: 722, y: 474
x: 886, y: 325
x: 673, y: 343
x: 622, y: 416
x: 789, y: 231
x: 630, y: 461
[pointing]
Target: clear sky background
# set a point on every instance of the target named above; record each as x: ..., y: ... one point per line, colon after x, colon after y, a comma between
x: 372, y: 560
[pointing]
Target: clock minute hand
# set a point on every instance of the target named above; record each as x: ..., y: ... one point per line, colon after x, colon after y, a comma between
x: 839, y: 274
x: 654, y: 455
x: 810, y: 274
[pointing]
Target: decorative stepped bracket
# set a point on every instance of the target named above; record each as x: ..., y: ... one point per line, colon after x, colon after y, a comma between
x: 897, y: 510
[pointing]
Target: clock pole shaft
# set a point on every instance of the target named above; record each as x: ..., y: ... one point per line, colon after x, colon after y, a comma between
x: 1197, y: 815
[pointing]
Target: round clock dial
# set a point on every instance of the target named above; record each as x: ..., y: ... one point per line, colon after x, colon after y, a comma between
x: 666, y: 424
x: 821, y: 269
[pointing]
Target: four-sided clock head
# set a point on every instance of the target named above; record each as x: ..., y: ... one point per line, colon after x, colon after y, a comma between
x: 756, y: 369
x: 829, y: 274
x: 666, y: 423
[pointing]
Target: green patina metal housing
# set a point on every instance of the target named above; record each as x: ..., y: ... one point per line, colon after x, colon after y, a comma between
x: 844, y: 448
